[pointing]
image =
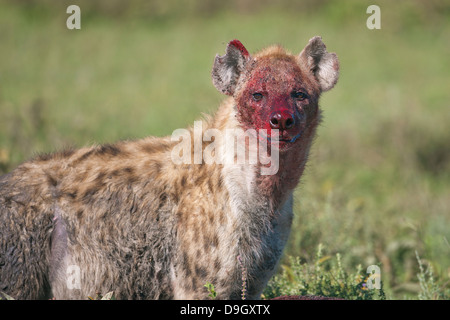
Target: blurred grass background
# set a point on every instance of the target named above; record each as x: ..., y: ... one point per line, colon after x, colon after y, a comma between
x: 377, y: 185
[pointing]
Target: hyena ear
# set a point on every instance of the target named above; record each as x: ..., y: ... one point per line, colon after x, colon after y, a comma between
x: 324, y: 65
x: 228, y: 68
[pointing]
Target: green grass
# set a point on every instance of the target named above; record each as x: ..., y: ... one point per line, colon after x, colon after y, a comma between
x: 325, y: 278
x: 376, y: 189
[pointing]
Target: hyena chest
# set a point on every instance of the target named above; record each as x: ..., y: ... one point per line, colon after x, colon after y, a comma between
x: 231, y: 256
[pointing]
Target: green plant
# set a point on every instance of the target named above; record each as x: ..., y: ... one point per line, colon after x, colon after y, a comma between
x: 325, y: 277
x: 429, y: 288
x: 211, y: 289
x: 7, y: 297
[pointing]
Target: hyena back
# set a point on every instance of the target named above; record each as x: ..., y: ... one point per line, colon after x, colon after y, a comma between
x: 134, y: 222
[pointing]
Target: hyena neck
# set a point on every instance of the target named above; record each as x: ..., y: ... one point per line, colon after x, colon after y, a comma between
x: 280, y: 185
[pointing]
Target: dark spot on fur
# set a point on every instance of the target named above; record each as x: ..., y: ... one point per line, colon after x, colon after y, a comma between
x: 108, y: 149
x: 51, y: 180
x: 200, y: 272
x: 175, y: 197
x: 72, y: 195
x: 149, y: 148
x: 67, y: 153
x: 195, y: 234
x: 224, y: 282
x: 217, y: 264
x: 128, y: 170
x: 211, y: 217
x: 132, y: 179
x: 89, y: 193
x: 105, y: 215
x: 57, y: 155
x: 154, y: 147
x: 215, y: 240
x: 200, y: 178
x: 210, y: 240
x: 160, y: 276
x: 44, y: 157
x: 166, y: 295
x: 162, y: 201
x: 85, y: 156
x: 186, y: 264
x: 100, y: 177
x: 222, y: 218
x: 194, y: 282
x: 211, y: 185
x: 115, y: 173
x: 130, y: 176
x: 187, y: 285
x: 183, y: 181
x: 176, y: 190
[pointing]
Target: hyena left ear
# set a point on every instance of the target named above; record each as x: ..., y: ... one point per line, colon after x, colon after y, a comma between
x: 324, y: 65
x: 228, y: 68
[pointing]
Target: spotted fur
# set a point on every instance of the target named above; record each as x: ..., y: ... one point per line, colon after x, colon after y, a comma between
x: 138, y: 224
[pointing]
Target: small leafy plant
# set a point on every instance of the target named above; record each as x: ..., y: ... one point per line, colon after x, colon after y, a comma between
x: 429, y: 288
x: 211, y: 289
x: 325, y: 277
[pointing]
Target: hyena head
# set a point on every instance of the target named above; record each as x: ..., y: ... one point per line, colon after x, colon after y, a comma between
x: 277, y: 91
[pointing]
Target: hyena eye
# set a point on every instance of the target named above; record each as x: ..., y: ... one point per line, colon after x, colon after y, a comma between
x: 299, y: 95
x: 257, y: 96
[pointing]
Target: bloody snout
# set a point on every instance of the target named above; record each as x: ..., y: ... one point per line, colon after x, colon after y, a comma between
x: 281, y: 120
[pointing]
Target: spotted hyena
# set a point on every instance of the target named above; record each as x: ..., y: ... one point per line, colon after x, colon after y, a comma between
x: 127, y: 218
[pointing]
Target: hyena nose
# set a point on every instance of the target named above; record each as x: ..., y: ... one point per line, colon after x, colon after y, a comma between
x: 281, y: 120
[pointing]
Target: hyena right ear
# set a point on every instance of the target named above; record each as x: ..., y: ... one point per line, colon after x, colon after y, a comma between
x: 228, y: 68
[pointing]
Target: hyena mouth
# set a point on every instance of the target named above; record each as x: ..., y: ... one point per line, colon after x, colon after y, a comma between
x: 283, y: 139
x: 292, y: 139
